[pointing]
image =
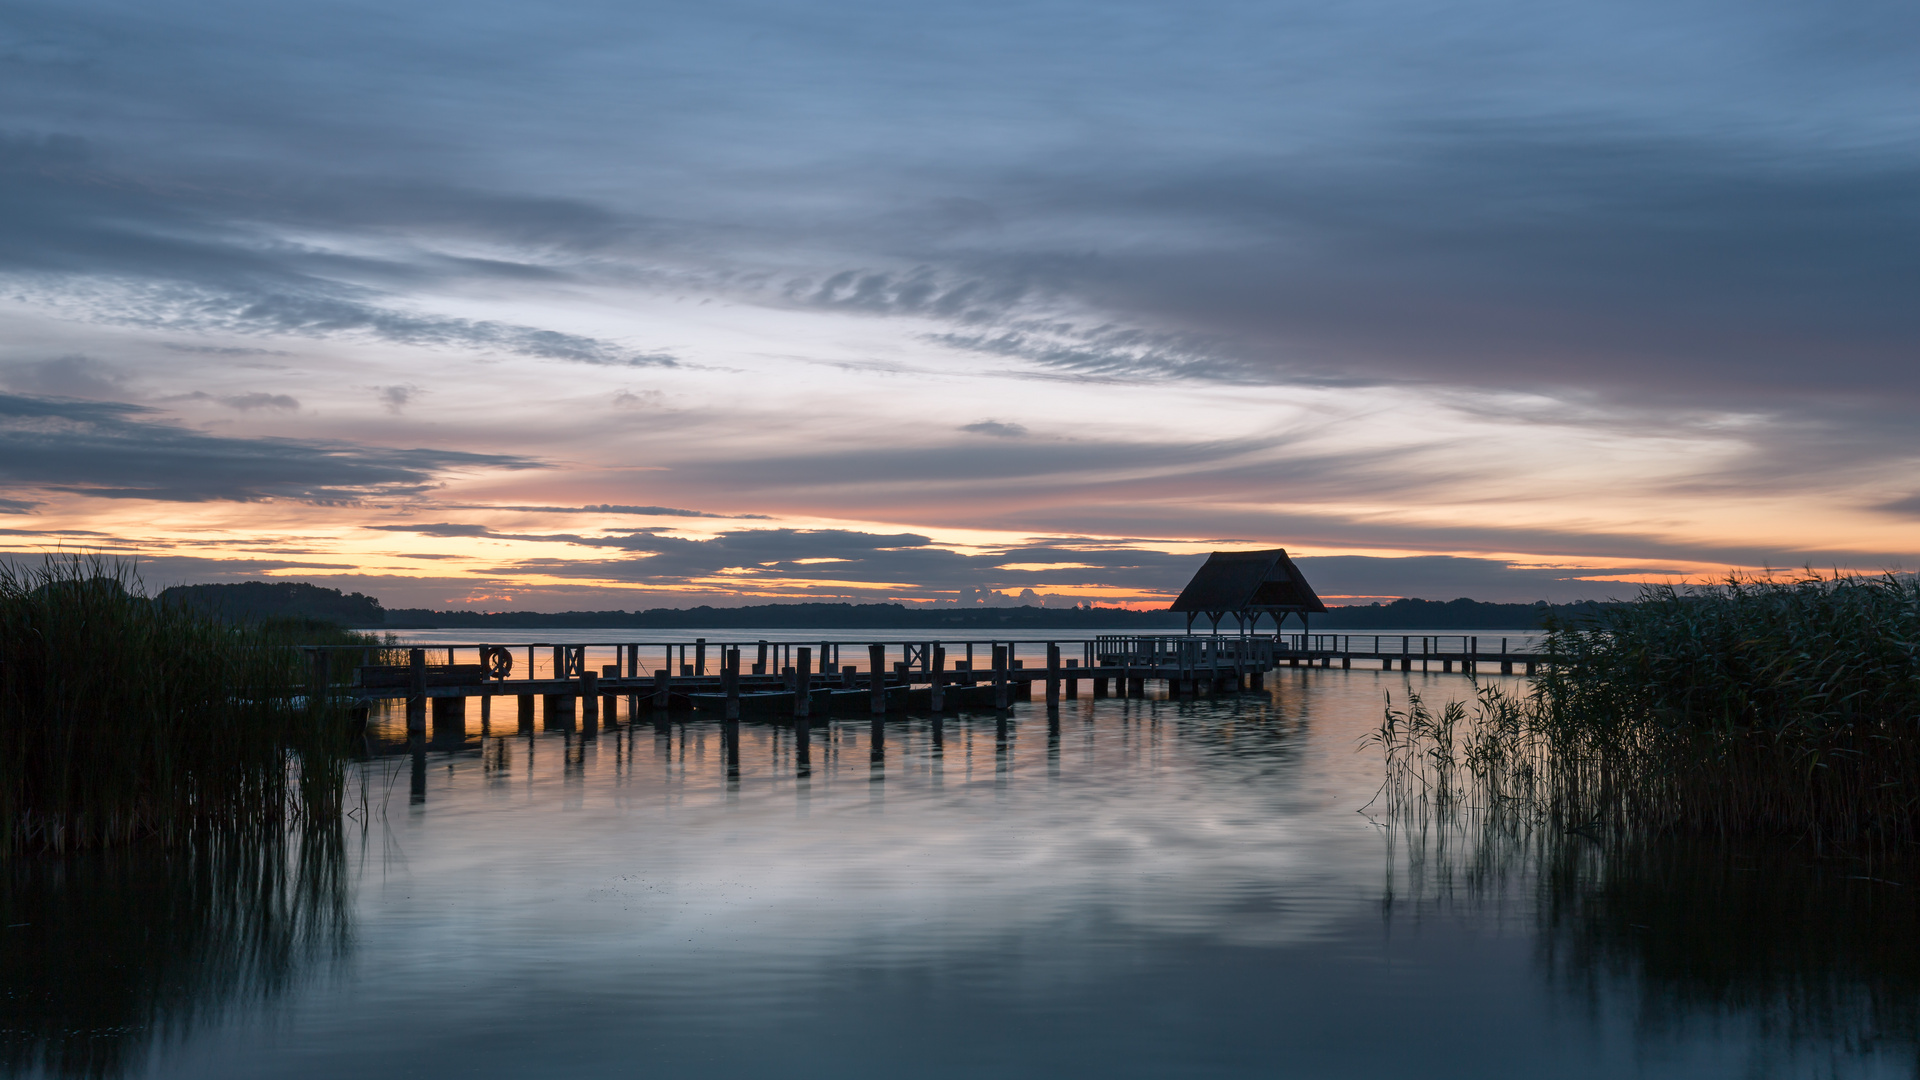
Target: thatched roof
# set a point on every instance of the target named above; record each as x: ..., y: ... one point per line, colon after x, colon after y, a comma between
x: 1248, y: 581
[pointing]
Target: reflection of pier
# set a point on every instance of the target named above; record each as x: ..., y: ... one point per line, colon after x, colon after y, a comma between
x: 770, y: 679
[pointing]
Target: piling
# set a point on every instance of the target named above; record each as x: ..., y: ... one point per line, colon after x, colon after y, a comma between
x: 760, y: 663
x: 1053, y: 675
x: 730, y: 682
x: 877, y: 677
x: 319, y: 676
x: 803, y: 682
x: 416, y: 692
x: 526, y: 714
x: 1000, y: 700
x: 936, y: 693
x: 590, y: 700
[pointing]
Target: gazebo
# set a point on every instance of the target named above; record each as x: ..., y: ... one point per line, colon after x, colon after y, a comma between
x: 1247, y: 585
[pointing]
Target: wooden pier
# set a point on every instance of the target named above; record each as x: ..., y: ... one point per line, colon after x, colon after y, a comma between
x: 790, y: 680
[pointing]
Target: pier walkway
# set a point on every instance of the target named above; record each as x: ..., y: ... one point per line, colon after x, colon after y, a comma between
x: 791, y: 680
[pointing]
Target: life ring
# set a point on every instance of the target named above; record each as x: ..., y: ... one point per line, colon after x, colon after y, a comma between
x: 498, y: 660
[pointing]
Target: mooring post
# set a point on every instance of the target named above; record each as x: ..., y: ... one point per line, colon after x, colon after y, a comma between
x: 1000, y: 677
x: 1053, y: 674
x: 526, y: 713
x: 416, y: 692
x: 803, y: 682
x: 760, y: 662
x: 589, y: 701
x: 936, y: 693
x: 318, y: 678
x: 662, y: 687
x: 730, y: 682
x: 877, y: 677
x: 700, y: 657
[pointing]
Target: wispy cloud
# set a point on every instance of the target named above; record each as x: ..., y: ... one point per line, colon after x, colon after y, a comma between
x: 118, y: 451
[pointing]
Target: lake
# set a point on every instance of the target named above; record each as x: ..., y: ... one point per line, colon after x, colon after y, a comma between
x: 1132, y: 888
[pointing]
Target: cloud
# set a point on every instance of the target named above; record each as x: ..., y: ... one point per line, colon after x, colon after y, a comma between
x: 242, y: 402
x: 605, y: 508
x: 145, y: 252
x: 1907, y: 507
x: 645, y: 399
x: 395, y: 398
x: 1000, y: 428
x: 73, y: 376
x: 119, y: 451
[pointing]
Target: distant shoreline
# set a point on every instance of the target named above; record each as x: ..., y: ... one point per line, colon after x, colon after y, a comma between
x: 258, y: 600
x: 1401, y: 615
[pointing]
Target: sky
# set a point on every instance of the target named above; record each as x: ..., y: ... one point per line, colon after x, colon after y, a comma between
x: 503, y: 305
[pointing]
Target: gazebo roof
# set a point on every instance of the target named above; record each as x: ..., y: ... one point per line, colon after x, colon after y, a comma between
x: 1248, y: 581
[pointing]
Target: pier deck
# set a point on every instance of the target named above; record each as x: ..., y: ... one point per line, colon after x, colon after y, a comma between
x: 765, y: 677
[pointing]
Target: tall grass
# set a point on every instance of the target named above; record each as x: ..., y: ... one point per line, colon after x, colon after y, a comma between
x: 1755, y: 708
x: 123, y: 720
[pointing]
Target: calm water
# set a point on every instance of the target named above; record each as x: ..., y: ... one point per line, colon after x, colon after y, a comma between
x: 1144, y: 888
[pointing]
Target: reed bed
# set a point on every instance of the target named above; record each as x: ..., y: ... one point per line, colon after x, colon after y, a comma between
x: 127, y: 721
x: 1757, y: 708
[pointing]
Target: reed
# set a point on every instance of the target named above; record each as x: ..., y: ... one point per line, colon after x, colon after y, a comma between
x: 123, y: 720
x: 1753, y: 708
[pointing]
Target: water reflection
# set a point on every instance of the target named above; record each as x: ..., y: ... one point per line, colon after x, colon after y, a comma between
x: 1790, y: 964
x: 106, y: 955
x: 1121, y: 887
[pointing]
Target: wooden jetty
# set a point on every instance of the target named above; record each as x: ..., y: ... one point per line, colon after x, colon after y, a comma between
x: 780, y: 680
x: 774, y: 679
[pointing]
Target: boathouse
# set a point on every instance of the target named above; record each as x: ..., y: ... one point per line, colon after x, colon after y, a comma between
x: 1247, y: 585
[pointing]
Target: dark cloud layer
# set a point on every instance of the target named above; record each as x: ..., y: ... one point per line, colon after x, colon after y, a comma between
x: 840, y: 563
x: 118, y: 451
x: 167, y: 254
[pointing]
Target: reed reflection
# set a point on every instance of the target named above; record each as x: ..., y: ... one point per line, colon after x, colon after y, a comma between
x: 106, y: 954
x: 1818, y: 958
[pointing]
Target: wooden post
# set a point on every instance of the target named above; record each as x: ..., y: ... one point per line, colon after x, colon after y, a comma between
x: 1072, y: 676
x: 803, y: 682
x: 760, y: 663
x: 936, y: 694
x: 662, y: 687
x: 526, y: 713
x: 1053, y: 674
x: 589, y: 699
x: 1000, y: 677
x: 730, y: 682
x: 318, y: 678
x: 700, y: 657
x: 877, y: 677
x: 416, y: 692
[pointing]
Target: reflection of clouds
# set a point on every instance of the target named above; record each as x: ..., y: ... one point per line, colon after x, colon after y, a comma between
x: 1175, y: 821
